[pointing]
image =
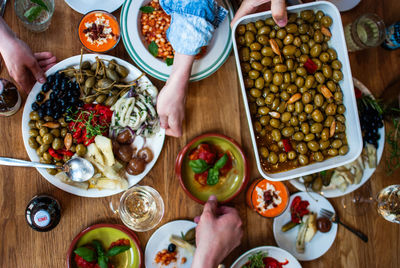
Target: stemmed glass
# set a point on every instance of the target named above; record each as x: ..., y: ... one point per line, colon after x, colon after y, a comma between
x: 387, y: 202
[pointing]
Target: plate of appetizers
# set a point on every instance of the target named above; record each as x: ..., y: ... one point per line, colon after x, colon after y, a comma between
x: 100, y: 108
x: 119, y: 246
x: 348, y: 178
x: 301, y: 231
x: 144, y: 25
x: 86, y: 6
x: 268, y: 256
x: 172, y: 245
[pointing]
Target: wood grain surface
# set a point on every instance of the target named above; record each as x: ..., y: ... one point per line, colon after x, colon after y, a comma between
x: 213, y: 105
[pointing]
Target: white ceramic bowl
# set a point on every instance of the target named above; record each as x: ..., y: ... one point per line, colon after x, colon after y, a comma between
x: 353, y: 129
x: 217, y: 51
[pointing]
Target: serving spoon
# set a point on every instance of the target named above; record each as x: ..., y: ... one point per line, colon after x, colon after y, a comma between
x: 77, y: 169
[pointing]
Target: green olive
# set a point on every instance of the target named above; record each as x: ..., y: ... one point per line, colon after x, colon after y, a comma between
x: 328, y: 121
x: 301, y: 71
x: 318, y: 156
x: 327, y: 71
x: 288, y: 39
x: 263, y: 110
x: 324, y: 57
x: 291, y: 155
x: 286, y: 117
x: 81, y: 149
x: 337, y: 144
x: 333, y: 152
x: 297, y: 41
x: 324, y: 145
x: 287, y: 131
x: 302, y: 148
x: 309, y: 81
x: 33, y: 133
x: 315, y: 50
x: 268, y: 77
x: 249, y: 37
x: 264, y: 152
x: 308, y: 108
x: 274, y: 123
x: 62, y: 122
x: 319, y: 77
x: 276, y: 135
x: 273, y: 88
x: 326, y: 21
x: 255, y: 46
x: 317, y: 184
x: 48, y: 138
x: 255, y: 55
x: 48, y: 118
x: 255, y: 92
x: 244, y: 54
x: 264, y: 120
x: 34, y: 115
x: 325, y: 134
x: 303, y: 28
x: 264, y: 30
x: 32, y: 123
x: 57, y: 144
x: 330, y: 109
x: 302, y: 117
x: 39, y: 140
x: 55, y: 132
x: 289, y: 50
x: 43, y: 131
x: 305, y: 128
x: 336, y: 64
x: 42, y: 149
x: 307, y: 15
x: 46, y: 156
x: 272, y: 158
x: 303, y: 159
x: 304, y: 48
x: 277, y: 79
x: 318, y: 36
x: 313, y: 145
x: 309, y: 137
x: 317, y: 116
x: 241, y: 29
x: 341, y: 109
x: 306, y: 98
x: 33, y: 143
x: 316, y: 128
x: 298, y: 136
x: 331, y: 85
x: 251, y: 27
x: 294, y: 121
x: 257, y: 66
x: 248, y: 82
x: 298, y: 106
x: 337, y: 75
x: 343, y: 150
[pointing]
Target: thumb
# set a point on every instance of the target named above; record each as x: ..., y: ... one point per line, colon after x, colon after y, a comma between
x: 211, y: 205
x: 37, y: 72
x: 278, y: 9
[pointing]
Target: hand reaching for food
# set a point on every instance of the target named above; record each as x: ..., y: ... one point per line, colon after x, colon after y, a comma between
x: 278, y: 8
x: 171, y: 100
x: 23, y: 66
x: 218, y: 232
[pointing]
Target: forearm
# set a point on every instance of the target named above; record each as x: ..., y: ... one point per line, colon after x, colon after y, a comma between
x: 6, y: 35
x: 202, y: 259
x: 181, y: 71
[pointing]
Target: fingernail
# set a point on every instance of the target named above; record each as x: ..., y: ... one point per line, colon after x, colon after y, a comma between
x: 212, y: 198
x: 281, y: 23
x: 42, y: 80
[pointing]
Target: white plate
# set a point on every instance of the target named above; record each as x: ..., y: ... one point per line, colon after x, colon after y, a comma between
x: 160, y: 240
x: 330, y: 193
x: 278, y: 254
x: 320, y: 243
x: 86, y: 6
x: 353, y: 129
x: 155, y: 143
x: 217, y: 51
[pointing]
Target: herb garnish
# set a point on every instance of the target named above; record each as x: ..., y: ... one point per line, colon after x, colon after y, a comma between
x: 256, y: 260
x: 153, y: 48
x: 169, y: 61
x: 34, y: 12
x: 199, y: 166
x: 147, y: 9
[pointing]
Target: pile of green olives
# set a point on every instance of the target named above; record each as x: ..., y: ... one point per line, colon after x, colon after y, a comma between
x: 292, y: 76
x: 49, y: 133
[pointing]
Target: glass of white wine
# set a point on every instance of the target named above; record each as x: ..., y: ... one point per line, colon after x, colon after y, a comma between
x: 140, y: 208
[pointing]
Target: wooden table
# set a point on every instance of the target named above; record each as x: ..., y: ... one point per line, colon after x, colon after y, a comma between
x: 214, y: 104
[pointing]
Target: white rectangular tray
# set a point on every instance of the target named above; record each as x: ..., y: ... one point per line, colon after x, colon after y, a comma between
x: 353, y: 130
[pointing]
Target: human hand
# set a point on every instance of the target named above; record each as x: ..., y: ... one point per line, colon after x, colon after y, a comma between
x: 218, y: 232
x: 171, y: 107
x: 278, y: 8
x: 24, y: 66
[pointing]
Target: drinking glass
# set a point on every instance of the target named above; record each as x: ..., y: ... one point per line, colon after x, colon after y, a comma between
x: 140, y: 208
x: 365, y: 32
x: 42, y: 22
x: 387, y: 202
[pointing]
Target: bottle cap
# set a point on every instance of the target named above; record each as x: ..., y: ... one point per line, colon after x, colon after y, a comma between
x: 41, y: 218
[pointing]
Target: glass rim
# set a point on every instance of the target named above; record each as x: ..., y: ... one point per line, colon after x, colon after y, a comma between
x: 25, y: 21
x: 381, y: 29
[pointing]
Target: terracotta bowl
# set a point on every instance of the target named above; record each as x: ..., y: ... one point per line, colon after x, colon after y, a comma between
x: 225, y: 190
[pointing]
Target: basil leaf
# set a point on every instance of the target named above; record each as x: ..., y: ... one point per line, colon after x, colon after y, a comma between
x: 32, y: 13
x: 323, y: 173
x: 147, y: 9
x: 153, y: 48
x: 169, y: 61
x: 198, y: 166
x: 98, y: 247
x: 117, y: 250
x: 40, y: 3
x: 221, y: 162
x: 102, y: 262
x: 213, y: 176
x: 86, y: 253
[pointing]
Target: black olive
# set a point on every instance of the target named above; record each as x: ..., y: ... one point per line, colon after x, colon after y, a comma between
x: 46, y: 87
x: 61, y: 102
x: 64, y: 86
x: 171, y: 247
x: 72, y: 100
x: 77, y: 87
x: 53, y: 96
x: 49, y: 111
x: 48, y: 103
x: 76, y: 93
x: 40, y: 97
x: 80, y: 103
x: 35, y: 106
x: 51, y: 79
x: 56, y: 115
x: 41, y: 113
x: 70, y: 85
x: 69, y: 93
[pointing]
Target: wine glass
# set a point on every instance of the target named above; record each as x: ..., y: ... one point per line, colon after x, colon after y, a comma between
x: 387, y: 202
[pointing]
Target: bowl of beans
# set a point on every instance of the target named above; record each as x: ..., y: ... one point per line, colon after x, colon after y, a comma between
x: 298, y: 91
x: 144, y: 26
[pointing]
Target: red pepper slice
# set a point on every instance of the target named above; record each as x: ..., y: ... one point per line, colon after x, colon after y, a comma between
x: 310, y: 66
x: 358, y: 93
x: 55, y: 154
x: 286, y: 145
x: 64, y: 152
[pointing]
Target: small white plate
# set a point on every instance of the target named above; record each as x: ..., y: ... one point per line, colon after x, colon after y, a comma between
x: 155, y: 143
x: 217, y: 51
x: 331, y: 193
x: 278, y: 254
x: 86, y: 6
x: 320, y: 243
x: 160, y: 240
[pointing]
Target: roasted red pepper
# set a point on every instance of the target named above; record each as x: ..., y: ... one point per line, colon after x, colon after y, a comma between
x: 298, y: 209
x: 286, y: 145
x: 55, y: 154
x: 310, y: 66
x: 358, y: 93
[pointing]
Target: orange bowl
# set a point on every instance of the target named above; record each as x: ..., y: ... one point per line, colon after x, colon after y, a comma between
x: 226, y: 189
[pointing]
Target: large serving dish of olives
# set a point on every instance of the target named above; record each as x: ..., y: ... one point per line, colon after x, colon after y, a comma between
x: 39, y: 136
x: 298, y: 92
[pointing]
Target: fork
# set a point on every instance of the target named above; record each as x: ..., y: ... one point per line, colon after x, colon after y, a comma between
x: 3, y: 4
x: 335, y: 218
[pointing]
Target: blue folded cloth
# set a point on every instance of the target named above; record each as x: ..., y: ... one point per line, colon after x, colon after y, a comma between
x: 192, y: 23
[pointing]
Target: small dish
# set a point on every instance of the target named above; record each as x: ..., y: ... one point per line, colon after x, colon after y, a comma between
x: 106, y: 234
x: 225, y: 190
x: 320, y: 243
x: 99, y: 31
x: 160, y: 240
x: 90, y: 5
x: 279, y: 254
x: 278, y: 196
